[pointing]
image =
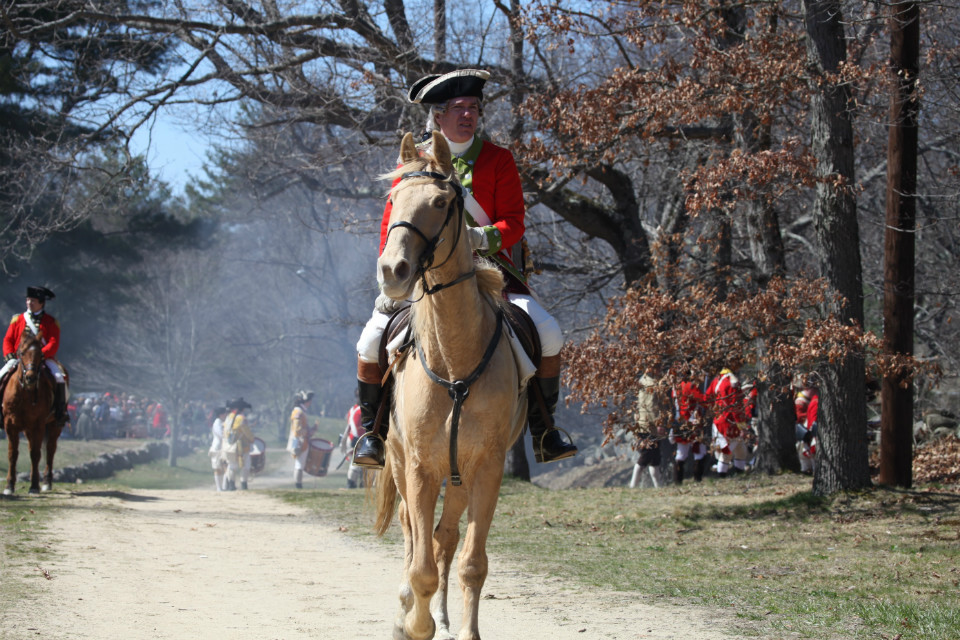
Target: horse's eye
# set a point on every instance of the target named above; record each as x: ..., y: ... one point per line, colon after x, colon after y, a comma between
x: 440, y: 202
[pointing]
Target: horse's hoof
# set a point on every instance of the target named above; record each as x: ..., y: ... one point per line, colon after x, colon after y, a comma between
x: 44, y: 487
x: 34, y: 491
x: 8, y: 492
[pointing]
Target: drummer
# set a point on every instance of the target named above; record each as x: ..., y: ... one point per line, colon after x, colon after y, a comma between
x: 238, y: 440
x: 298, y: 444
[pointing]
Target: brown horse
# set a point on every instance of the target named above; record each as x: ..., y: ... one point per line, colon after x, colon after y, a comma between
x: 457, y: 406
x: 28, y: 408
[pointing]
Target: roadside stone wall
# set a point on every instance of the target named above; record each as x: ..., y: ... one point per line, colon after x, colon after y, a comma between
x: 105, y: 465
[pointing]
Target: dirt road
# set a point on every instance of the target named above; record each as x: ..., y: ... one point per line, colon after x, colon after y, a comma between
x: 197, y: 564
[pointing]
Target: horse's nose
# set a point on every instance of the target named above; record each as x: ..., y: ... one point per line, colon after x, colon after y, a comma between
x: 394, y: 273
x: 402, y: 270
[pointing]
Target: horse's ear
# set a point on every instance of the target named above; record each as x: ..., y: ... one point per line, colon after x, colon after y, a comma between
x: 441, y: 153
x: 408, y: 150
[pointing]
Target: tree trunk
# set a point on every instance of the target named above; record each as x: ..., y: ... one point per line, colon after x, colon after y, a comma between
x: 842, y: 418
x: 896, y: 419
x: 439, y: 30
x: 776, y: 445
x: 776, y: 442
x: 173, y: 419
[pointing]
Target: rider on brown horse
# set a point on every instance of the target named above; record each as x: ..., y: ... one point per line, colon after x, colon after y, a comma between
x: 495, y: 204
x: 37, y: 322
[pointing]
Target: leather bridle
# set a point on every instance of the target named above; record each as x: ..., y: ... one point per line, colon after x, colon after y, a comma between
x: 426, y: 258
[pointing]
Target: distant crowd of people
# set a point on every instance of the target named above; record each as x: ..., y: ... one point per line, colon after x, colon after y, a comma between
x: 121, y: 415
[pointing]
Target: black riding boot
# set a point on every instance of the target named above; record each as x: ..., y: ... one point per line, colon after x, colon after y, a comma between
x: 698, y: 468
x: 548, y: 443
x: 678, y: 471
x: 370, y: 450
x: 60, y: 401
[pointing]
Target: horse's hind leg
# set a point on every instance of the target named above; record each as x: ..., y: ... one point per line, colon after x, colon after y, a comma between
x: 53, y: 436
x: 445, y: 540
x: 13, y: 453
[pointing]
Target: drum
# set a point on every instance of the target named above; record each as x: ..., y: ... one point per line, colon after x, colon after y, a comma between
x: 258, y: 455
x: 318, y: 457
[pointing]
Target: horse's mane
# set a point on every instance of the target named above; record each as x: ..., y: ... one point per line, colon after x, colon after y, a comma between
x: 489, y: 279
x: 423, y: 163
x: 27, y: 340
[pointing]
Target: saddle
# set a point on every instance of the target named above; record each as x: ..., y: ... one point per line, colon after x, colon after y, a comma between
x: 517, y: 319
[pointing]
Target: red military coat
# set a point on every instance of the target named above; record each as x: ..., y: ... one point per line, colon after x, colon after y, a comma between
x: 49, y: 329
x: 496, y: 187
x: 686, y: 400
x: 724, y: 391
x: 812, y: 410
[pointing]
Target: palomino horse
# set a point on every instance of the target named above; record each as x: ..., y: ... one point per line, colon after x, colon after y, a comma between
x: 28, y: 408
x: 457, y: 405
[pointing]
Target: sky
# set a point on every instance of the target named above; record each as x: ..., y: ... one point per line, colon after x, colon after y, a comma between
x: 173, y: 151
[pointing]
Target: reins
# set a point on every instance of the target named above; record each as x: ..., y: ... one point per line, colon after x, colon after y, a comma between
x: 425, y: 261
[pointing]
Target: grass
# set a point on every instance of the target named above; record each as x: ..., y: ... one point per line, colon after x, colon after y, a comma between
x: 868, y: 565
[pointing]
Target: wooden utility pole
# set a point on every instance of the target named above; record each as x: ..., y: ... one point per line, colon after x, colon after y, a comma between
x: 896, y: 422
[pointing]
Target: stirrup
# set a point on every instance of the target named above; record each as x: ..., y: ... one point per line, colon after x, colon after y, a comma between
x: 366, y: 464
x: 569, y: 453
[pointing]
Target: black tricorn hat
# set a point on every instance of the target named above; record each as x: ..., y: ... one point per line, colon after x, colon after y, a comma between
x: 438, y: 89
x: 40, y: 293
x: 239, y: 404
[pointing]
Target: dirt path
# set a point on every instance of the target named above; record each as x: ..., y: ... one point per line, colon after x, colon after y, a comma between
x: 197, y: 564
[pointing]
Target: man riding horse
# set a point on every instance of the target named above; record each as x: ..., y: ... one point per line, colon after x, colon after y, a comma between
x: 496, y: 210
x: 45, y: 327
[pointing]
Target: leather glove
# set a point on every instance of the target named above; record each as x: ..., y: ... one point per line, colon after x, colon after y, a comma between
x: 387, y: 305
x: 478, y: 239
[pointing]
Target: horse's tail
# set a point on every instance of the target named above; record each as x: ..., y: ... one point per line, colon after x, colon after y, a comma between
x: 386, y: 498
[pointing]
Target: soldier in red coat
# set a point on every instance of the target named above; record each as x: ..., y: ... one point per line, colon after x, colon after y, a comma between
x: 729, y: 422
x: 38, y: 322
x: 496, y: 209
x: 689, y: 403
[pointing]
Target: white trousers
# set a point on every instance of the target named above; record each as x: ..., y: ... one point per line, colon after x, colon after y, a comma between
x: 551, y: 337
x: 234, y: 465
x: 51, y: 365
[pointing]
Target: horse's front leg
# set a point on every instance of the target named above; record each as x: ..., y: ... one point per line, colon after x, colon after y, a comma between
x: 422, y: 491
x: 445, y: 540
x: 472, y: 568
x: 13, y: 453
x: 53, y: 435
x: 35, y: 438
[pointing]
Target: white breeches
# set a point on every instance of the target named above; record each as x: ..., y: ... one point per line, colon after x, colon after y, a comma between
x: 551, y: 337
x: 55, y: 370
x: 234, y: 464
x: 300, y: 460
x: 684, y: 448
x: 731, y: 450
x: 51, y: 365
